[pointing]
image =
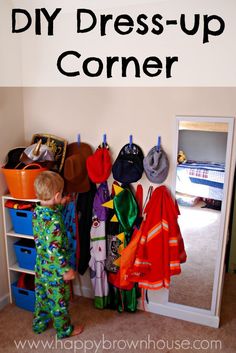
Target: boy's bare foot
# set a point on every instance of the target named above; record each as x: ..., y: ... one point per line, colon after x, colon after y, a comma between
x: 77, y: 330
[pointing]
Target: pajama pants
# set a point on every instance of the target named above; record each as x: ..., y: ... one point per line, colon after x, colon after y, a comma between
x: 52, y: 296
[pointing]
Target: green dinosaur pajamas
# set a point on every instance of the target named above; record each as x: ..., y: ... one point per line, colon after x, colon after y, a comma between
x: 52, y: 293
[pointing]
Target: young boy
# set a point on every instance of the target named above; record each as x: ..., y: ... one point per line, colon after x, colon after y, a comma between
x: 52, y: 270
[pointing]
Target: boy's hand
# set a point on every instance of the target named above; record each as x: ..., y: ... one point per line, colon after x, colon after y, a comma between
x: 69, y: 275
x: 65, y: 200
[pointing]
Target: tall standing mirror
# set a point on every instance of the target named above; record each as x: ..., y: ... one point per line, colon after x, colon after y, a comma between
x: 202, y: 172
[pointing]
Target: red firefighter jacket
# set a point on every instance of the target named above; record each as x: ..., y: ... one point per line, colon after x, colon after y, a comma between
x: 161, y: 248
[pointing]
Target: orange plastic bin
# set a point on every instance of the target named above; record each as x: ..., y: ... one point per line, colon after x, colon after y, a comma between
x: 20, y: 182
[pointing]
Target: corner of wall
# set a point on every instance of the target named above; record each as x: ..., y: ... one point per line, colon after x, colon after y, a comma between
x: 11, y: 115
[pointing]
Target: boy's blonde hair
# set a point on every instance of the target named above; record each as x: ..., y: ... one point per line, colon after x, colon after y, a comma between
x: 47, y: 184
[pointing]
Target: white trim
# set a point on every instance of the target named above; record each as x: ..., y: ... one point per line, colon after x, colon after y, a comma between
x: 219, y: 269
x: 206, y: 317
x: 206, y: 119
x: 4, y: 300
x: 182, y: 312
x: 6, y: 247
x: 220, y: 293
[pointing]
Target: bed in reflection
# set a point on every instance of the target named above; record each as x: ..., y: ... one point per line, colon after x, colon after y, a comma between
x: 202, y: 179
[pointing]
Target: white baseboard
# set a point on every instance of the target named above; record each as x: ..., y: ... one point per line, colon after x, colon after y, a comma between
x: 4, y: 301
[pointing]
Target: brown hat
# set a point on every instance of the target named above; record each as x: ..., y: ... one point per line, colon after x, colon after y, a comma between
x: 75, y: 171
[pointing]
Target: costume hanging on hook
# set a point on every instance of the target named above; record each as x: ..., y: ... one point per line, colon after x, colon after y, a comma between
x: 161, y: 247
x: 71, y: 224
x: 98, y: 248
x: 125, y: 214
x: 85, y: 212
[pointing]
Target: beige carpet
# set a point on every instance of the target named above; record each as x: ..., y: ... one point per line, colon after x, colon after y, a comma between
x: 118, y: 329
x: 200, y: 231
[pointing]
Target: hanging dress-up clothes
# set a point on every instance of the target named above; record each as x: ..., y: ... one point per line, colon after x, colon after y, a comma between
x: 84, y: 209
x: 161, y: 248
x: 98, y: 248
x: 126, y: 211
x: 69, y: 216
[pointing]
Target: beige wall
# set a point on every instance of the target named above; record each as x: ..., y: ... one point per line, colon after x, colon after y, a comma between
x: 12, y: 135
x: 119, y: 112
x: 144, y: 112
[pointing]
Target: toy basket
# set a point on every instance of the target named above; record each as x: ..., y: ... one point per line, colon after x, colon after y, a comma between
x: 20, y: 182
x: 21, y: 221
x: 25, y: 253
x: 24, y: 298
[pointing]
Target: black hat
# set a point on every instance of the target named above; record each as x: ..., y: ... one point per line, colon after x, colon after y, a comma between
x: 13, y: 158
x: 128, y: 166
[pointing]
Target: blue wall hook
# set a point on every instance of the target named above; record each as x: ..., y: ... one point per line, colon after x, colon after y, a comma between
x: 78, y: 139
x: 130, y: 140
x: 104, y: 140
x: 158, y: 147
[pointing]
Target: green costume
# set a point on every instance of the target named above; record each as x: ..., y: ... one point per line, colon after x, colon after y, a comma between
x: 126, y: 212
x: 52, y: 293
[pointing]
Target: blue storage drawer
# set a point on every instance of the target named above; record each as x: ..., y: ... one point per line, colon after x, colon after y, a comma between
x: 25, y: 253
x: 21, y: 221
x: 24, y: 298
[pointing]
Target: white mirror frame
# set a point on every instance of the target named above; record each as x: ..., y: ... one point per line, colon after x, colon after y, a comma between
x: 202, y: 316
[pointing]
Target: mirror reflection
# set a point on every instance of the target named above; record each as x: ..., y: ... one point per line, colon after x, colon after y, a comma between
x: 199, y: 193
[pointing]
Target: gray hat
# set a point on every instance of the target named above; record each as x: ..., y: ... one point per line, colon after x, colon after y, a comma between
x: 156, y: 165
